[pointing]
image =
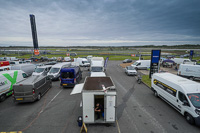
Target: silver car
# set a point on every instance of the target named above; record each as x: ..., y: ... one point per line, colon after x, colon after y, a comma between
x: 129, y: 70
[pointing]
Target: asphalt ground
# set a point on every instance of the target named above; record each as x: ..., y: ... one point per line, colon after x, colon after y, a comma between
x: 138, y: 111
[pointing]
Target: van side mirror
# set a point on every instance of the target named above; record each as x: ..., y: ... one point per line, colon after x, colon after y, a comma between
x: 185, y: 103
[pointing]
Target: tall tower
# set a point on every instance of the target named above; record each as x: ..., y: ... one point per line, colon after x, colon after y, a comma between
x: 34, y: 34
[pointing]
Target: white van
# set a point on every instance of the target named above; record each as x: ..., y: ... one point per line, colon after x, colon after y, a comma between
x: 7, y: 79
x: 141, y: 64
x: 82, y: 62
x: 181, y: 60
x: 27, y: 68
x: 14, y: 63
x: 189, y: 71
x: 180, y: 93
x: 67, y: 59
x: 54, y: 72
x: 42, y: 70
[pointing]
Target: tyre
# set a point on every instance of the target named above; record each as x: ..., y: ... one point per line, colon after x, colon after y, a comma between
x: 189, y: 118
x: 155, y: 94
x: 2, y: 97
x: 191, y: 78
x: 138, y: 81
x: 39, y: 97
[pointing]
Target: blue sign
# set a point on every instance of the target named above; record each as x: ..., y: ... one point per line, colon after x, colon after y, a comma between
x: 191, y: 52
x: 155, y: 57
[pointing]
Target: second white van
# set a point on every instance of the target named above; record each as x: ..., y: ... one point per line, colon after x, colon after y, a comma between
x: 54, y: 72
x: 189, y: 71
x: 181, y: 93
x: 141, y: 64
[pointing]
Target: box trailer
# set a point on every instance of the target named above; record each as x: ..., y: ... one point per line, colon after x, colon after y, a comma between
x: 97, y: 90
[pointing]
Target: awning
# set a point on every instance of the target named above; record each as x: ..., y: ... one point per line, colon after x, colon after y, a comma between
x: 77, y: 89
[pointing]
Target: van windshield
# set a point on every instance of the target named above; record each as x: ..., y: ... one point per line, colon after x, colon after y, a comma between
x: 54, y: 70
x: 67, y: 75
x: 39, y: 70
x: 135, y: 63
x: 97, y: 69
x: 195, y: 99
x: 12, y: 62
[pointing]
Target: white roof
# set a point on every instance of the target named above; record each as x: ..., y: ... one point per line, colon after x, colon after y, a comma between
x: 77, y: 89
x: 98, y: 74
x: 45, y: 66
x: 61, y: 64
x: 188, y: 85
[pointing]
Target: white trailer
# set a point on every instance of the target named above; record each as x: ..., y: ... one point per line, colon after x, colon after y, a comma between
x: 97, y: 90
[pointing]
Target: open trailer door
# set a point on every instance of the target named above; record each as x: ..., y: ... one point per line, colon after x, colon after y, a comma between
x: 110, y: 108
x: 77, y: 89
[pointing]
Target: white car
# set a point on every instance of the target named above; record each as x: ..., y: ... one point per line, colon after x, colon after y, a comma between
x: 129, y: 70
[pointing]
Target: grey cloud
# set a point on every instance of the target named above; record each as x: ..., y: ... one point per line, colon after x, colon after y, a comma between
x: 136, y: 20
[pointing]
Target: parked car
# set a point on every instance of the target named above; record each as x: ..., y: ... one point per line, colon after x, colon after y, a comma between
x: 31, y: 89
x: 127, y: 61
x: 168, y: 63
x: 129, y: 70
x: 73, y: 54
x: 42, y: 70
x: 5, y: 68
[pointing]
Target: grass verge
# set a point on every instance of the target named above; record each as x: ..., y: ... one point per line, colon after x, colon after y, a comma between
x: 146, y: 80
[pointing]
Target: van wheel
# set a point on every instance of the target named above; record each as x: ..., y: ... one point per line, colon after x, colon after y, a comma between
x: 189, y: 118
x: 191, y: 78
x: 155, y: 94
x: 2, y: 98
x: 39, y: 97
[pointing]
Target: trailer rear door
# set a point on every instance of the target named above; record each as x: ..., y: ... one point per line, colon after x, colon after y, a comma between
x: 110, y: 108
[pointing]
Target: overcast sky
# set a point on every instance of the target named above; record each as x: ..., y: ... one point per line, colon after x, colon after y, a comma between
x: 100, y: 22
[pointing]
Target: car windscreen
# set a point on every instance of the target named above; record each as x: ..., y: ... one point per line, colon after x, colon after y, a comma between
x: 12, y: 62
x: 39, y: 70
x: 67, y: 75
x: 97, y: 69
x: 131, y: 68
x: 54, y: 70
x: 195, y: 99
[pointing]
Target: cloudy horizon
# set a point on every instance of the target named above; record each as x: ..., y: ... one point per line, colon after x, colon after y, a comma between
x: 100, y: 23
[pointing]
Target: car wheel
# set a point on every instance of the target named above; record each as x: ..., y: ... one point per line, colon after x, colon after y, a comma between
x: 2, y: 98
x: 39, y: 97
x: 189, y: 118
x: 155, y: 94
